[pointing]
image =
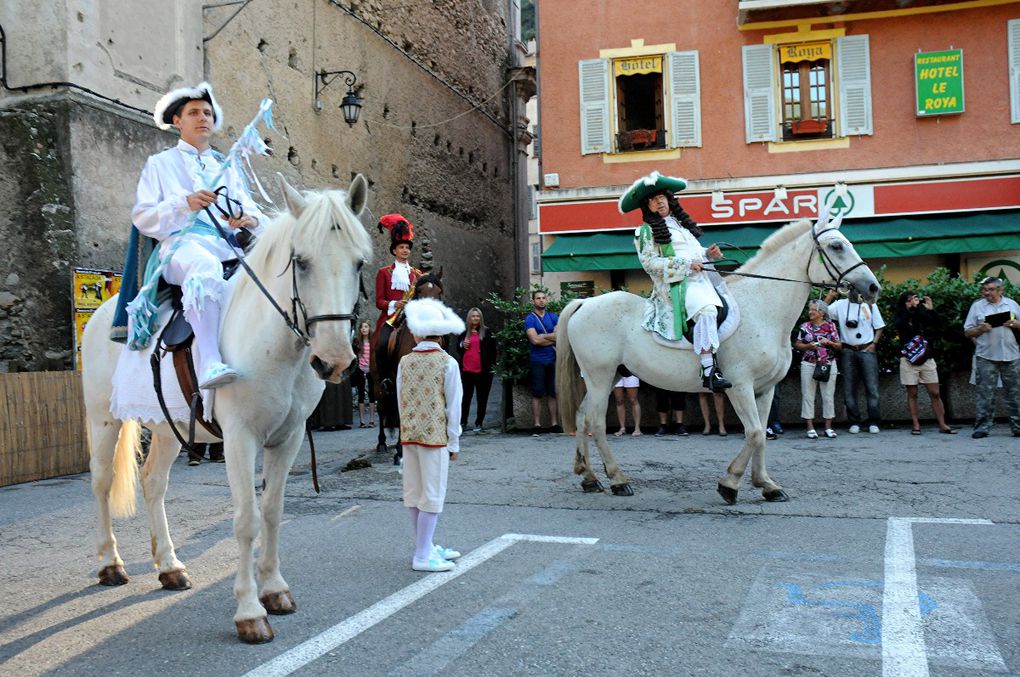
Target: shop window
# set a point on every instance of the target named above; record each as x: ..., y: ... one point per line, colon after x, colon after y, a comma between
x: 655, y: 102
x: 809, y: 79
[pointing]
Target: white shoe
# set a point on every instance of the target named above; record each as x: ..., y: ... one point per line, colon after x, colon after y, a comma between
x: 445, y: 553
x: 812, y: 435
x: 854, y: 429
x: 432, y: 564
x: 216, y: 375
x: 873, y: 429
x: 830, y: 433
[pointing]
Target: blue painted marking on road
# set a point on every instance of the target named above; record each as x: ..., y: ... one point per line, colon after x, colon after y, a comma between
x: 553, y: 573
x: 871, y: 624
x: 482, y: 623
x: 969, y: 564
x: 642, y: 549
x: 801, y: 556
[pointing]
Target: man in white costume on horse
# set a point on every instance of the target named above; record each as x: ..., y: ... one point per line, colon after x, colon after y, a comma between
x: 174, y: 189
x: 669, y: 251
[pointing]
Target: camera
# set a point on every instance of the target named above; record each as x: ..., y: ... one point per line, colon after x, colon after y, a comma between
x: 851, y: 324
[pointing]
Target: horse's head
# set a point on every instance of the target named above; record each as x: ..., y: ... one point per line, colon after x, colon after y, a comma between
x: 328, y: 247
x: 838, y: 263
x: 429, y: 286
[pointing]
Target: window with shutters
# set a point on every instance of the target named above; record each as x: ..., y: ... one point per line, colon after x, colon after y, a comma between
x: 824, y: 90
x: 638, y: 103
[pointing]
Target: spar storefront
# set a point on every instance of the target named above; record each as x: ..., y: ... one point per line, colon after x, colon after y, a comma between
x: 966, y: 224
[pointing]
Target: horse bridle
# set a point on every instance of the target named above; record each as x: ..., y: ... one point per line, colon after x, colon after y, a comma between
x: 297, y: 305
x: 830, y: 266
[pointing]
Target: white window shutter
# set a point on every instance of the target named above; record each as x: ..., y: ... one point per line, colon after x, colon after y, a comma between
x: 759, y: 93
x: 853, y: 54
x: 594, y: 78
x: 1013, y: 31
x: 684, y: 99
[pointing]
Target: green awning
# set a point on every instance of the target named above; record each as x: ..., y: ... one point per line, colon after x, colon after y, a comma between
x: 873, y: 238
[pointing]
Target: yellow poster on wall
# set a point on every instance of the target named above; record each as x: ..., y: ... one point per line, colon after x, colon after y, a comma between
x: 638, y: 65
x: 81, y: 318
x: 92, y: 287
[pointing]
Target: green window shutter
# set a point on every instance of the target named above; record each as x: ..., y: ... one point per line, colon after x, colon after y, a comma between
x: 1013, y: 32
x: 853, y: 57
x: 594, y: 78
x: 684, y: 98
x: 759, y: 93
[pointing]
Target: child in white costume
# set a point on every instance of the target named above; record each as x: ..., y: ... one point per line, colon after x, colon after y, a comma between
x: 429, y: 392
x: 174, y: 189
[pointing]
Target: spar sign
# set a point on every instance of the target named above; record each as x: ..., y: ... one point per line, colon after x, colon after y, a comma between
x: 938, y: 78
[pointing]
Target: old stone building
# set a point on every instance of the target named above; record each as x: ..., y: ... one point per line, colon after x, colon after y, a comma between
x: 438, y: 137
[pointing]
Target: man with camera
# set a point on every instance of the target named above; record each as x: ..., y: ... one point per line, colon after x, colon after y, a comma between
x: 992, y: 324
x: 860, y: 328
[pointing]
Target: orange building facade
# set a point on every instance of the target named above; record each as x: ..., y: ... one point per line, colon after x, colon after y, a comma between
x: 905, y: 116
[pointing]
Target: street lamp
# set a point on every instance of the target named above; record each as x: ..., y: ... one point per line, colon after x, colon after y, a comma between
x: 350, y: 106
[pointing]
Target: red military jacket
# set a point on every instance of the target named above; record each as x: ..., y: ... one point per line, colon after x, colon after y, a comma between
x: 384, y: 293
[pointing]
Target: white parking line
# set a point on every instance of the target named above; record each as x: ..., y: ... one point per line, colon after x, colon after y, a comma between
x: 342, y: 632
x: 903, y: 651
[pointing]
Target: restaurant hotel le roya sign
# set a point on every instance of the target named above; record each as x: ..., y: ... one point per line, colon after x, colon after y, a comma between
x: 938, y: 78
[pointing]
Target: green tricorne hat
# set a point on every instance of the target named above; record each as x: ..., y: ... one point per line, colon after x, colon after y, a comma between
x: 647, y: 186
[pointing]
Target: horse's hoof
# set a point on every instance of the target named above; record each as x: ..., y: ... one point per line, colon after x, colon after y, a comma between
x: 113, y: 574
x: 592, y: 486
x: 381, y: 448
x: 278, y: 603
x: 775, y: 496
x: 175, y: 580
x: 254, y: 631
x: 622, y: 489
x: 728, y: 495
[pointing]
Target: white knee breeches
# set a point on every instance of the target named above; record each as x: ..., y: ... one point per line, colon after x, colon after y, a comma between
x: 199, y: 274
x: 706, y: 331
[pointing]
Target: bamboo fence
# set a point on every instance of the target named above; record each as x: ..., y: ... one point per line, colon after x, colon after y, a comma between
x: 42, y: 426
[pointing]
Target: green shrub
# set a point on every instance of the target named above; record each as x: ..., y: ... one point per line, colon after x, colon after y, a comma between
x: 512, y: 360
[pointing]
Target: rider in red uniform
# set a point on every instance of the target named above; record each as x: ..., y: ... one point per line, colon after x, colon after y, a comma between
x: 392, y: 284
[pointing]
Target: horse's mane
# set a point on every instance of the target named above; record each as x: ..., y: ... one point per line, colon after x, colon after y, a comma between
x: 323, y: 209
x: 772, y: 244
x: 427, y: 278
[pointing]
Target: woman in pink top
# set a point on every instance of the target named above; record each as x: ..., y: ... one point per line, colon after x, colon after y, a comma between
x: 476, y: 351
x: 361, y: 378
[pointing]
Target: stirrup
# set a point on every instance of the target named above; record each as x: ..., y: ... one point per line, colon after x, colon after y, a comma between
x: 217, y: 375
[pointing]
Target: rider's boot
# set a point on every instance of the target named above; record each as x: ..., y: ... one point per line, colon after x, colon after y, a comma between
x: 712, y: 378
x: 212, y: 373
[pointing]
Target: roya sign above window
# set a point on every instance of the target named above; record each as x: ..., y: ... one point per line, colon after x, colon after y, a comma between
x: 938, y: 77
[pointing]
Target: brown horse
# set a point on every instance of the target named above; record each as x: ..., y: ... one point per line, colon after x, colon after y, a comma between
x: 429, y: 286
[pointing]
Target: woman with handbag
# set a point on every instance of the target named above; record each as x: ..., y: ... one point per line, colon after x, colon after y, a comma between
x: 476, y: 353
x: 818, y: 340
x: 913, y: 319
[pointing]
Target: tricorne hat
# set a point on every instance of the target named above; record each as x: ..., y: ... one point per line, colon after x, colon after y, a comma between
x: 647, y: 186
x: 171, y: 102
x: 429, y: 317
x: 401, y: 230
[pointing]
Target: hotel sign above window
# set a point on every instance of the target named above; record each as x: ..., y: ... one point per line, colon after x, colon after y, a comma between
x: 938, y: 77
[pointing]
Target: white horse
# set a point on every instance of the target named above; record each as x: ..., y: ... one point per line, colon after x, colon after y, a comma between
x: 282, y: 380
x: 599, y: 334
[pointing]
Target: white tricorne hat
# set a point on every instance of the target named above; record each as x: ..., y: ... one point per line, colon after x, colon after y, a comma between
x: 429, y: 317
x: 168, y: 106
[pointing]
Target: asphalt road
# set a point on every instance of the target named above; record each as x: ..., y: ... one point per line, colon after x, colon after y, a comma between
x: 554, y: 581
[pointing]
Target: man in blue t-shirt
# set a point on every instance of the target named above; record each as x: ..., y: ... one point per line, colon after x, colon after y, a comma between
x: 540, y: 326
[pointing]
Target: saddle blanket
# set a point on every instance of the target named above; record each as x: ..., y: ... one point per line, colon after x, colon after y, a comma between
x: 726, y: 329
x: 134, y: 396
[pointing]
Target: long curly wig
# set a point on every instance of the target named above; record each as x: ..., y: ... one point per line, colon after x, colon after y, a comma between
x: 660, y: 232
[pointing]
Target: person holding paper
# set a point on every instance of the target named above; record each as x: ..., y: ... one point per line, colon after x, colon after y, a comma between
x: 992, y: 323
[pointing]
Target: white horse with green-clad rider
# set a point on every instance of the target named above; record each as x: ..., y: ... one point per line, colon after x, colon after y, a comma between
x: 656, y: 338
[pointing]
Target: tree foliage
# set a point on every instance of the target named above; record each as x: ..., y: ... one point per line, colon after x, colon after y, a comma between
x: 528, y: 19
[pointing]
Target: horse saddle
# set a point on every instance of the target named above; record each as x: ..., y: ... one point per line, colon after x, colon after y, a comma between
x: 177, y: 338
x: 720, y: 317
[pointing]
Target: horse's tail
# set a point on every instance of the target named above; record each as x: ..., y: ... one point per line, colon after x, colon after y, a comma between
x: 568, y: 382
x: 125, y: 469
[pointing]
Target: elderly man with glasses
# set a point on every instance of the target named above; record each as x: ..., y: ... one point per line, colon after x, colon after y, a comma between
x: 992, y: 324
